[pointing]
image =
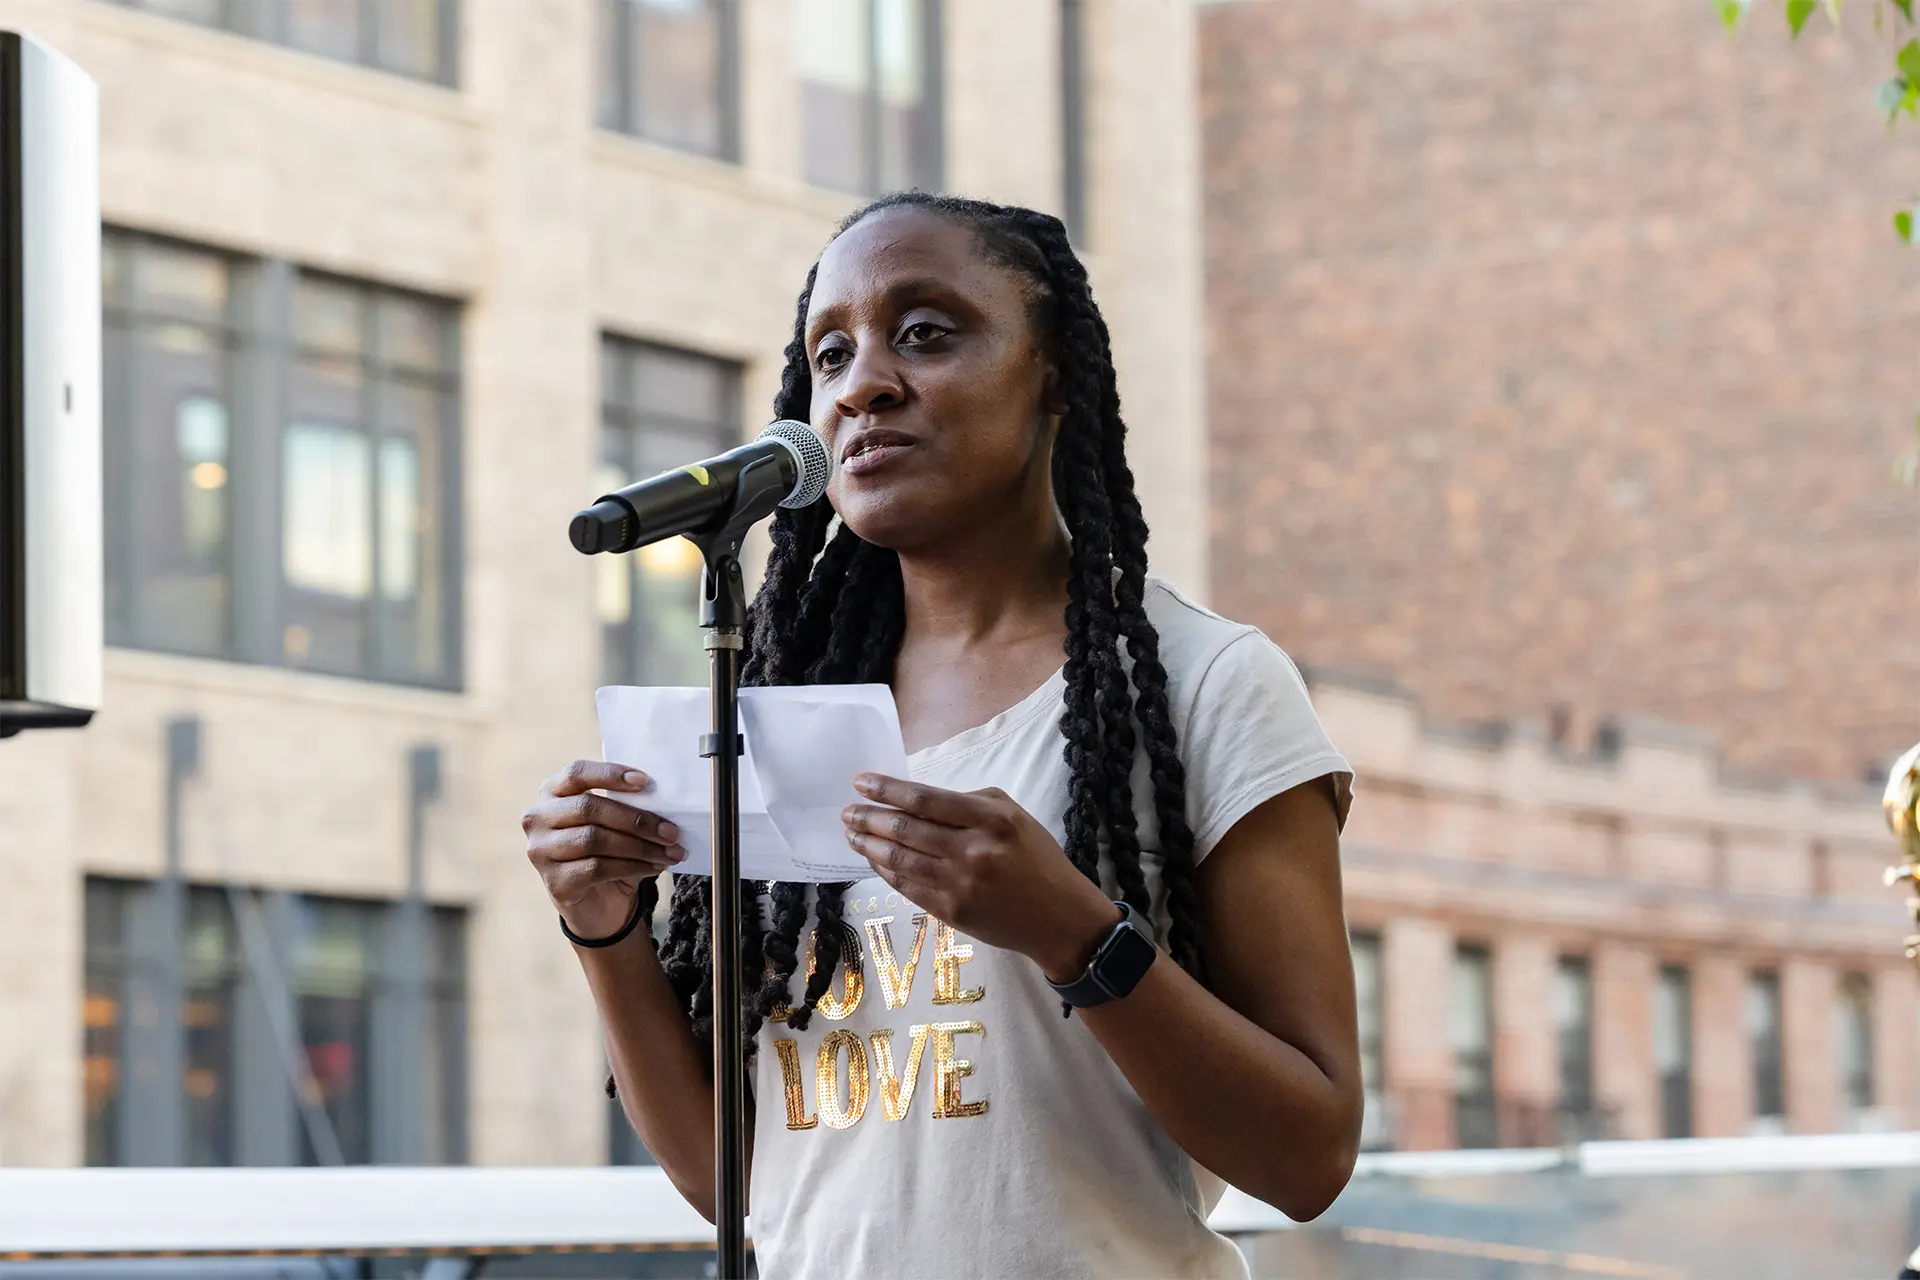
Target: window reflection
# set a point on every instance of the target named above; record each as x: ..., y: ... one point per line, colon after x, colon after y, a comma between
x: 169, y: 352
x: 1470, y: 1024
x: 868, y: 74
x: 1673, y: 1050
x: 333, y: 1007
x: 363, y: 463
x: 402, y: 36
x: 662, y: 409
x: 666, y: 72
x: 332, y: 970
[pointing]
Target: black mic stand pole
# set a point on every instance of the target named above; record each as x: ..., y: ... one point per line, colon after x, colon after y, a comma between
x: 723, y: 616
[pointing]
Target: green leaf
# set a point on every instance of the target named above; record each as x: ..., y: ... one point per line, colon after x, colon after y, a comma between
x: 1889, y: 97
x: 1798, y: 11
x: 1908, y: 60
x: 1903, y: 224
x: 1731, y: 11
x: 1905, y: 7
x: 1833, y: 12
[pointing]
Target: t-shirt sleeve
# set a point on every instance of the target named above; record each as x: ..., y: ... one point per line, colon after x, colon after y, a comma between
x: 1251, y: 734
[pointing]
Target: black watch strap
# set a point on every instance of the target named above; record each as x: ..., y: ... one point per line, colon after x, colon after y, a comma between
x: 1118, y: 963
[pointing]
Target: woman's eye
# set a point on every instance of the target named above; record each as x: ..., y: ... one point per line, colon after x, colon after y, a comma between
x: 921, y: 331
x: 831, y: 358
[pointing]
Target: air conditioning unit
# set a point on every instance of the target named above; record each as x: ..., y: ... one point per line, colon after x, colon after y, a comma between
x: 50, y: 487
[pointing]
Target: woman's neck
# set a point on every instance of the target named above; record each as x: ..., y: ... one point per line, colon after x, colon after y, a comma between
x: 1001, y: 583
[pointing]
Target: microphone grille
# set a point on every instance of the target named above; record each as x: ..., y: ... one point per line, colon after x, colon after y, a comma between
x: 809, y: 457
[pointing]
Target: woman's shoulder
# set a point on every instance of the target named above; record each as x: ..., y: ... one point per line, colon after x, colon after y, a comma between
x: 1192, y: 635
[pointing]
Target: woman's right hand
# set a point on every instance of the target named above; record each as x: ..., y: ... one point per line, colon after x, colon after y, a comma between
x: 592, y: 851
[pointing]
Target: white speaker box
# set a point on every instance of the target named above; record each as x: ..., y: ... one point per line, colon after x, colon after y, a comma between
x: 50, y: 486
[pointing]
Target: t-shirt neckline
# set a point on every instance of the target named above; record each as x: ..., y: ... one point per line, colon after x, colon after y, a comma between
x: 1049, y: 691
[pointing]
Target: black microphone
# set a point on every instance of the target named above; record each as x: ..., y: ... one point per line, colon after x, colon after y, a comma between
x: 705, y: 495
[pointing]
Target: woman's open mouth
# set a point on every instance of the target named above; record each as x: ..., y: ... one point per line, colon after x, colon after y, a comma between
x: 870, y: 451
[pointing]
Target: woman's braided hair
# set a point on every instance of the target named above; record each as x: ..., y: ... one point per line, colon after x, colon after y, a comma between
x: 831, y: 611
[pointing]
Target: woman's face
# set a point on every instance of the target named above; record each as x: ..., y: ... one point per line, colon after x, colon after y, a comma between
x: 929, y: 388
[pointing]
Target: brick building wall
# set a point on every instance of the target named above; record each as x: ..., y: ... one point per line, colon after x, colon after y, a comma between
x: 1489, y: 843
x: 1559, y: 354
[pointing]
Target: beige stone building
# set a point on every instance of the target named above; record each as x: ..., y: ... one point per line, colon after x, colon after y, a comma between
x: 392, y: 289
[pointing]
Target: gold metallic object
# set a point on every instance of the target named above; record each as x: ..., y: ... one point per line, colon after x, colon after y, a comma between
x: 1901, y: 803
x: 896, y: 1091
x: 826, y: 1080
x: 797, y: 1117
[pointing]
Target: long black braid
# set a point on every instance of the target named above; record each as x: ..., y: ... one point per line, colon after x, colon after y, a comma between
x: 831, y: 611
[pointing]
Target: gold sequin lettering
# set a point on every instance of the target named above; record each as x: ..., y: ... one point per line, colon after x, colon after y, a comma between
x: 896, y: 1092
x: 832, y: 1007
x: 948, y: 955
x: 948, y: 1072
x: 797, y: 1117
x: 826, y: 1079
x: 895, y: 983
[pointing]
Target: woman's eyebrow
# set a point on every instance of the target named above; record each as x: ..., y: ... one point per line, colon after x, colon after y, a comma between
x: 896, y: 294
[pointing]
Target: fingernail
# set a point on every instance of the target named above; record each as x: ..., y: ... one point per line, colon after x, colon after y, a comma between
x: 865, y: 783
x: 669, y: 832
x: 677, y: 853
x: 634, y: 778
x: 847, y: 814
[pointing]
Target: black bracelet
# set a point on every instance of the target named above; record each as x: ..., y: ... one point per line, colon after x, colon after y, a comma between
x: 613, y: 939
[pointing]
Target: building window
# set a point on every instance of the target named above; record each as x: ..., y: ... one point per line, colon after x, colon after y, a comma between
x: 407, y: 37
x: 1856, y: 1045
x: 168, y: 348
x: 660, y: 409
x: 1763, y: 1033
x: 365, y: 556
x: 1471, y: 1030
x: 1375, y: 1131
x: 668, y: 71
x: 1573, y: 1029
x: 185, y: 1057
x: 870, y: 84
x: 1673, y: 1050
x: 1073, y: 118
x: 281, y: 458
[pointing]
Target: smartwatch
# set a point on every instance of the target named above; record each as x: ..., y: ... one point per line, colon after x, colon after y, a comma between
x: 1118, y: 964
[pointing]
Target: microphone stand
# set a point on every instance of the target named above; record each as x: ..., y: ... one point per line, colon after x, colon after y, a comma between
x: 723, y: 616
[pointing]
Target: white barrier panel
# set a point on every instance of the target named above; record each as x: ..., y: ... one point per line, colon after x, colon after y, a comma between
x: 470, y: 1211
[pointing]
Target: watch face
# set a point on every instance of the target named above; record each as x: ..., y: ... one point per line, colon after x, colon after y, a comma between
x: 1126, y: 961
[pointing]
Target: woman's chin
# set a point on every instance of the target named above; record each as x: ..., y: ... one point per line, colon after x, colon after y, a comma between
x: 892, y: 521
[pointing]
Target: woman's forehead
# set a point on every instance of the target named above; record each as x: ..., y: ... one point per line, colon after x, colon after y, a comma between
x: 905, y: 247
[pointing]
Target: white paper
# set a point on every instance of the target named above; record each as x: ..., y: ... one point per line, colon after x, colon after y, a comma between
x: 804, y: 746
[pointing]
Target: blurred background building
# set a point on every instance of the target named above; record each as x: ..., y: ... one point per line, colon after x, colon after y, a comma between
x: 394, y: 288
x: 1557, y: 365
x: 1544, y: 393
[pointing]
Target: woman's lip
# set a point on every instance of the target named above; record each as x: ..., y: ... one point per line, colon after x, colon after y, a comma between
x: 873, y: 459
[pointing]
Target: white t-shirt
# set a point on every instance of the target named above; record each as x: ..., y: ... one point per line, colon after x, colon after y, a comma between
x: 939, y: 1117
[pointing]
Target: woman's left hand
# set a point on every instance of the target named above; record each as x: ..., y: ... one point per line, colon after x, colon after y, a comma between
x: 984, y: 865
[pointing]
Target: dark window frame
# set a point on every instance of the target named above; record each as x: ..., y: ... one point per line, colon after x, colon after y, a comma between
x: 627, y: 414
x: 618, y: 14
x: 257, y: 1093
x: 1475, y: 1110
x: 1574, y: 1048
x: 931, y: 145
x: 1675, y: 1082
x: 262, y: 355
x: 1857, y: 1088
x: 1768, y: 1048
x: 1073, y: 119
x: 267, y: 21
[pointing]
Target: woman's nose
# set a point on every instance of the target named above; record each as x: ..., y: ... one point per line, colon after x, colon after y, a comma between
x: 872, y: 384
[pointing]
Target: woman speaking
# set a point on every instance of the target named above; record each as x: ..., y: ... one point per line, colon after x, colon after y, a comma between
x: 1100, y: 965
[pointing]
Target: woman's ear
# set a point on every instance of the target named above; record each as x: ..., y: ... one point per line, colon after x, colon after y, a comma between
x: 1053, y: 397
